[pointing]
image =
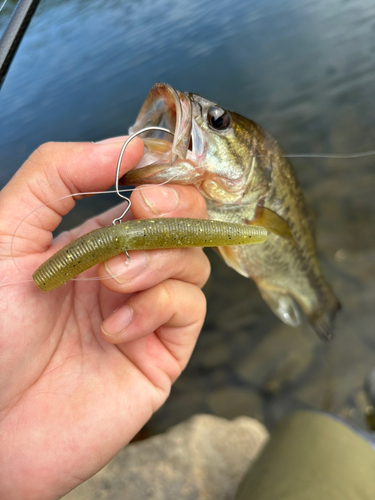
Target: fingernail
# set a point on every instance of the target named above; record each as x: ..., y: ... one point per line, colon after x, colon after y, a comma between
x: 123, y: 270
x: 117, y: 322
x: 161, y: 200
x: 121, y: 138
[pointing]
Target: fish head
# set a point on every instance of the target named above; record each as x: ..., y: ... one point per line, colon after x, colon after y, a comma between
x: 212, y: 148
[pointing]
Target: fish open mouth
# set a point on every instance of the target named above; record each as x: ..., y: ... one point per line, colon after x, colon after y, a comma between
x: 165, y: 159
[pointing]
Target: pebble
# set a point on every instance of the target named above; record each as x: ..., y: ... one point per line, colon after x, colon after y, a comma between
x: 203, y: 458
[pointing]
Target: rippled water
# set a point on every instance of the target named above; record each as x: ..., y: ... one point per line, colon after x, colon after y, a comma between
x: 304, y: 70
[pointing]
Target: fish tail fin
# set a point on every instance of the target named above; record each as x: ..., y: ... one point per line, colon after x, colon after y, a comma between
x: 322, y: 321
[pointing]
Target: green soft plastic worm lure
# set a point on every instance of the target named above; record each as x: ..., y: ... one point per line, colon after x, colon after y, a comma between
x: 147, y: 234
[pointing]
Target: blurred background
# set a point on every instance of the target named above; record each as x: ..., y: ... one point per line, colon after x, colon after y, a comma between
x: 305, y: 71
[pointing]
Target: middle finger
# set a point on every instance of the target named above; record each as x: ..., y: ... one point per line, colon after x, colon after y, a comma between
x: 148, y: 268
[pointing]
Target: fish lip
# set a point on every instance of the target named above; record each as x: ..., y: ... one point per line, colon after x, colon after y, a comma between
x: 164, y: 106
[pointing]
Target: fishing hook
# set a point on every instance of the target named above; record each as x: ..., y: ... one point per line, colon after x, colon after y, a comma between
x: 117, y: 220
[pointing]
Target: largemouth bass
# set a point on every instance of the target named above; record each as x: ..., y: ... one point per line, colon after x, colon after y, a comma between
x: 240, y: 170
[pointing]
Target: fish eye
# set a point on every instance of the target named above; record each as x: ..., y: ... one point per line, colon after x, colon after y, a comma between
x: 218, y: 118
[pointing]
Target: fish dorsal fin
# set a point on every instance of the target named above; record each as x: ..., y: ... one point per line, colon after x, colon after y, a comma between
x: 272, y: 222
x: 283, y: 305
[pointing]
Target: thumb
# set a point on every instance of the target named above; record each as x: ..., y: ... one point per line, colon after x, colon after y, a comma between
x: 53, y: 171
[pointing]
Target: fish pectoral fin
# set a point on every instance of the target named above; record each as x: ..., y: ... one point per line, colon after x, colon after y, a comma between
x: 272, y: 222
x: 283, y: 305
x: 230, y: 258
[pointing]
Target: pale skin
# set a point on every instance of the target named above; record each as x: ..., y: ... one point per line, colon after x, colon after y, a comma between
x: 82, y: 368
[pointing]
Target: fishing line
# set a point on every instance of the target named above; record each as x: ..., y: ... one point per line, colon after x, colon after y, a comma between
x: 333, y: 155
x: 347, y: 156
x: 15, y: 283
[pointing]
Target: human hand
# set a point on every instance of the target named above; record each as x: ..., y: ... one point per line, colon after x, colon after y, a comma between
x: 72, y: 393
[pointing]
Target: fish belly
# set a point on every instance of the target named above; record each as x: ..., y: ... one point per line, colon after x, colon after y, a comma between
x: 285, y: 280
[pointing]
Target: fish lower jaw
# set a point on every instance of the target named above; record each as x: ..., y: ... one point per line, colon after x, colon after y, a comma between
x: 215, y: 192
x: 180, y: 172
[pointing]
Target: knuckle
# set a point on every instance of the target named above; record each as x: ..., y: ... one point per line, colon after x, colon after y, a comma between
x: 187, y: 295
x: 45, y: 150
x: 43, y: 157
x: 166, y: 292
